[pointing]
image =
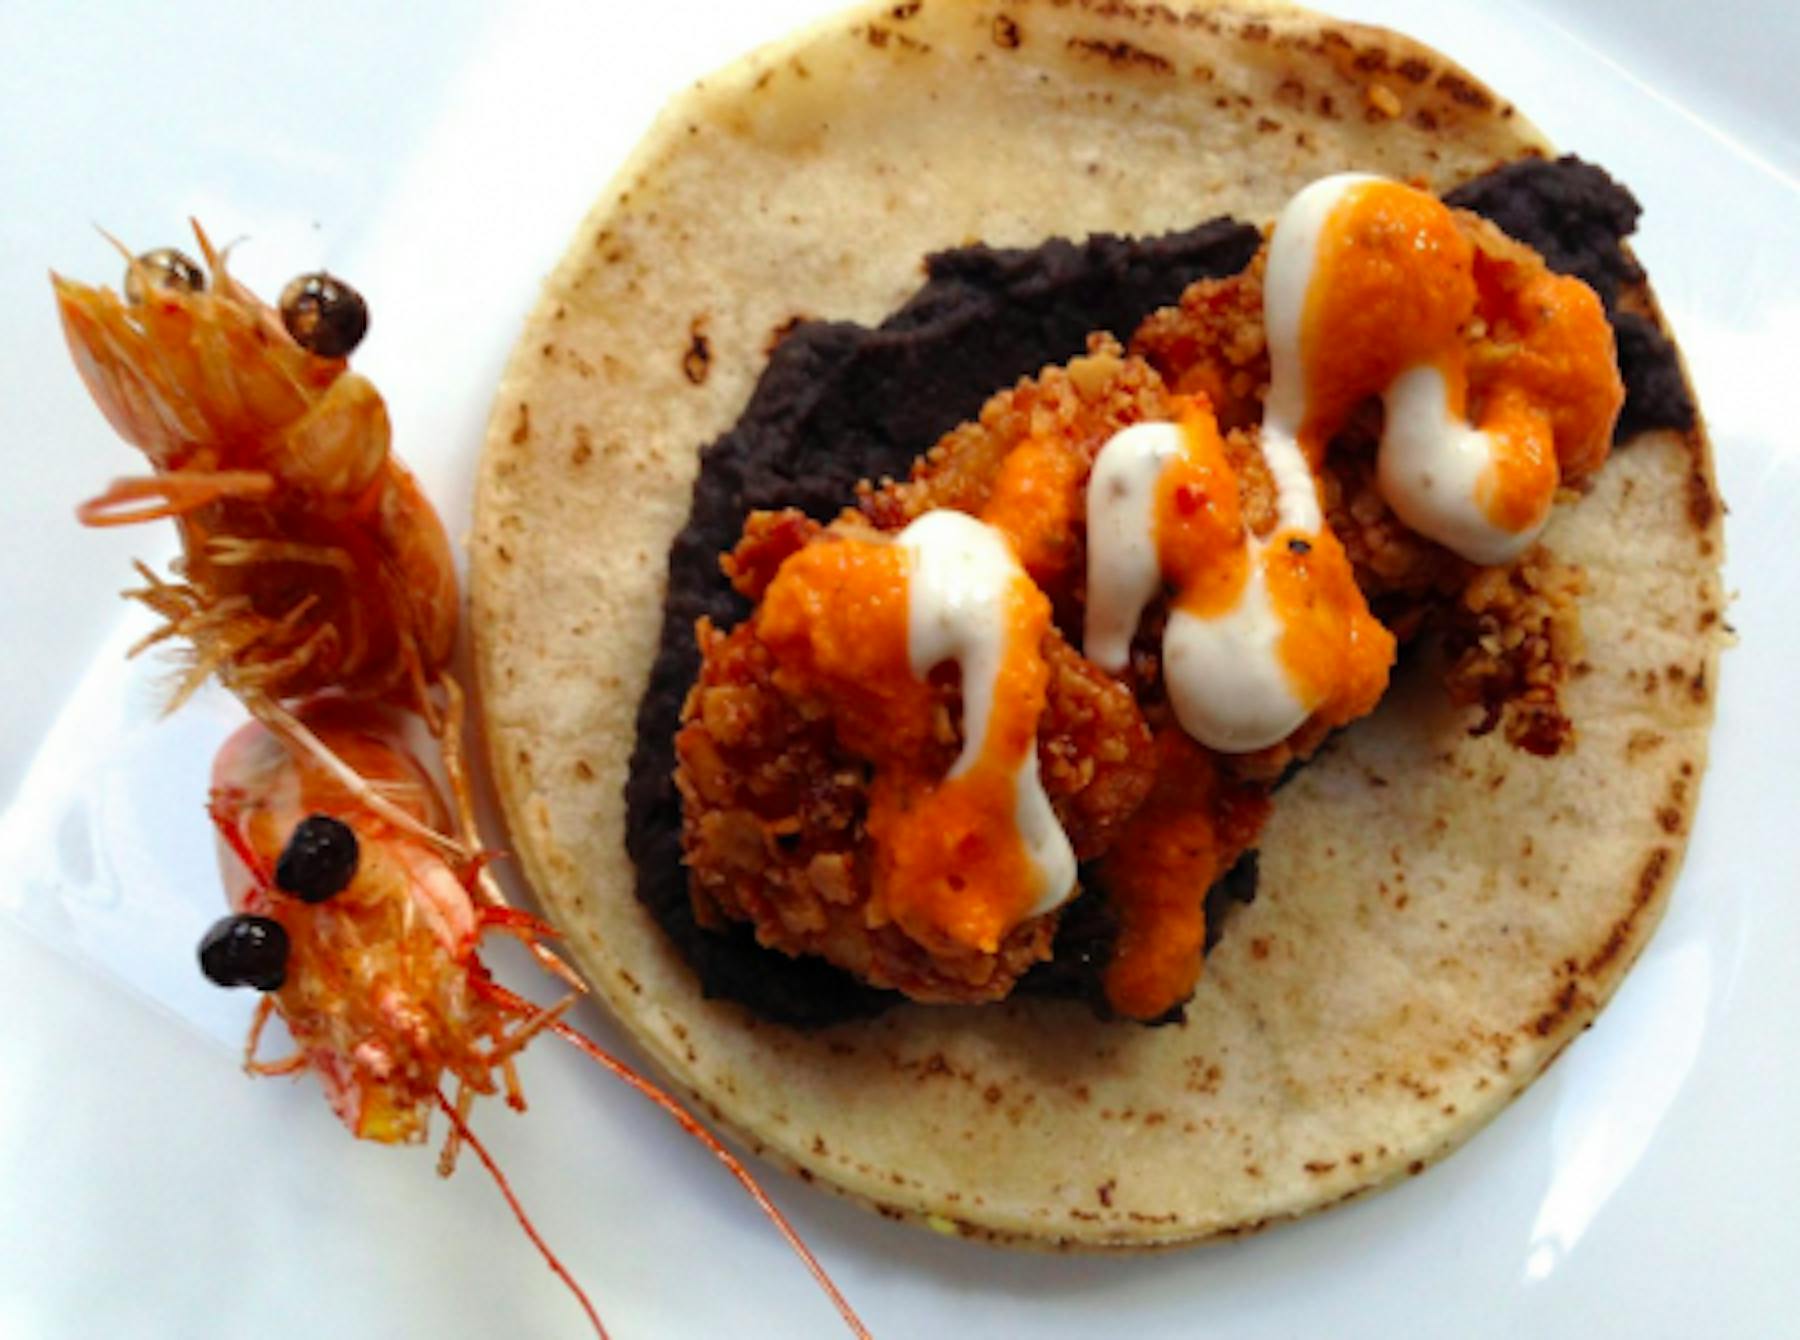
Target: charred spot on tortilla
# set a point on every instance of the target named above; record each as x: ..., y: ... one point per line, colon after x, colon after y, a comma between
x: 840, y: 403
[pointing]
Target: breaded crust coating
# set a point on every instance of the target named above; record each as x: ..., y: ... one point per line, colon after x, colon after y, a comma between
x: 774, y: 805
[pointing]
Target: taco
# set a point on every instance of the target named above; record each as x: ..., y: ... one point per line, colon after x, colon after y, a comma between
x: 843, y: 284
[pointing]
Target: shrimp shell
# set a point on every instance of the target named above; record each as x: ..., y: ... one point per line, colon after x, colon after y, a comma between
x: 311, y: 557
x: 384, y: 992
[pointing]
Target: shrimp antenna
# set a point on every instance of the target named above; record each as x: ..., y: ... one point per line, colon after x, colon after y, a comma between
x: 120, y: 247
x: 291, y: 731
x: 215, y: 257
x: 692, y: 1127
x: 685, y: 1119
x: 467, y: 1137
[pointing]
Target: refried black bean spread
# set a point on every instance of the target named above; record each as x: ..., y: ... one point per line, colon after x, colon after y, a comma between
x: 840, y: 403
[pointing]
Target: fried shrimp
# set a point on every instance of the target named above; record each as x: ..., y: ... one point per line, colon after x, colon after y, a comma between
x: 1511, y: 656
x: 775, y: 804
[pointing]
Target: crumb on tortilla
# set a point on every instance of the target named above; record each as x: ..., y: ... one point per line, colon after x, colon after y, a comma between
x: 1383, y: 101
x: 1512, y: 637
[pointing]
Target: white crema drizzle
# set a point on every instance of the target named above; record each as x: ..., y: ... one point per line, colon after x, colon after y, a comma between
x: 1224, y: 674
x: 1431, y: 464
x: 962, y: 577
x: 1431, y: 468
x: 1225, y: 677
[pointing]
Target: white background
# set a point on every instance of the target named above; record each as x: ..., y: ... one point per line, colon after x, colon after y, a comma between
x: 1645, y: 1187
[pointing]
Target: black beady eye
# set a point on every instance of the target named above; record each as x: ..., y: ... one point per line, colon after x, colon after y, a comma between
x: 163, y: 268
x: 319, y: 859
x: 245, y: 951
x: 324, y: 315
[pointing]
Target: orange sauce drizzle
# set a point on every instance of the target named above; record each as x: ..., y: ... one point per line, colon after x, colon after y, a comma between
x: 1200, y: 539
x: 951, y: 868
x: 1393, y: 286
x: 1036, y: 501
x: 1337, y: 655
x: 1396, y: 284
x: 950, y: 862
x: 1184, y: 837
x: 1553, y: 369
x: 1517, y: 489
x: 836, y: 617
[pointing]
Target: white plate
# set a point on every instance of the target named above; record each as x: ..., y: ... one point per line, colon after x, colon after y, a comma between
x: 1644, y: 1187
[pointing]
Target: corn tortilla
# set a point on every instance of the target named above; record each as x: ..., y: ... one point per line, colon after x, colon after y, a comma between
x: 1439, y: 915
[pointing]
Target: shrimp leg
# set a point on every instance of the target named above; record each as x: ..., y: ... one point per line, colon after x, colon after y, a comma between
x: 286, y: 1066
x: 179, y: 494
x: 462, y: 795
